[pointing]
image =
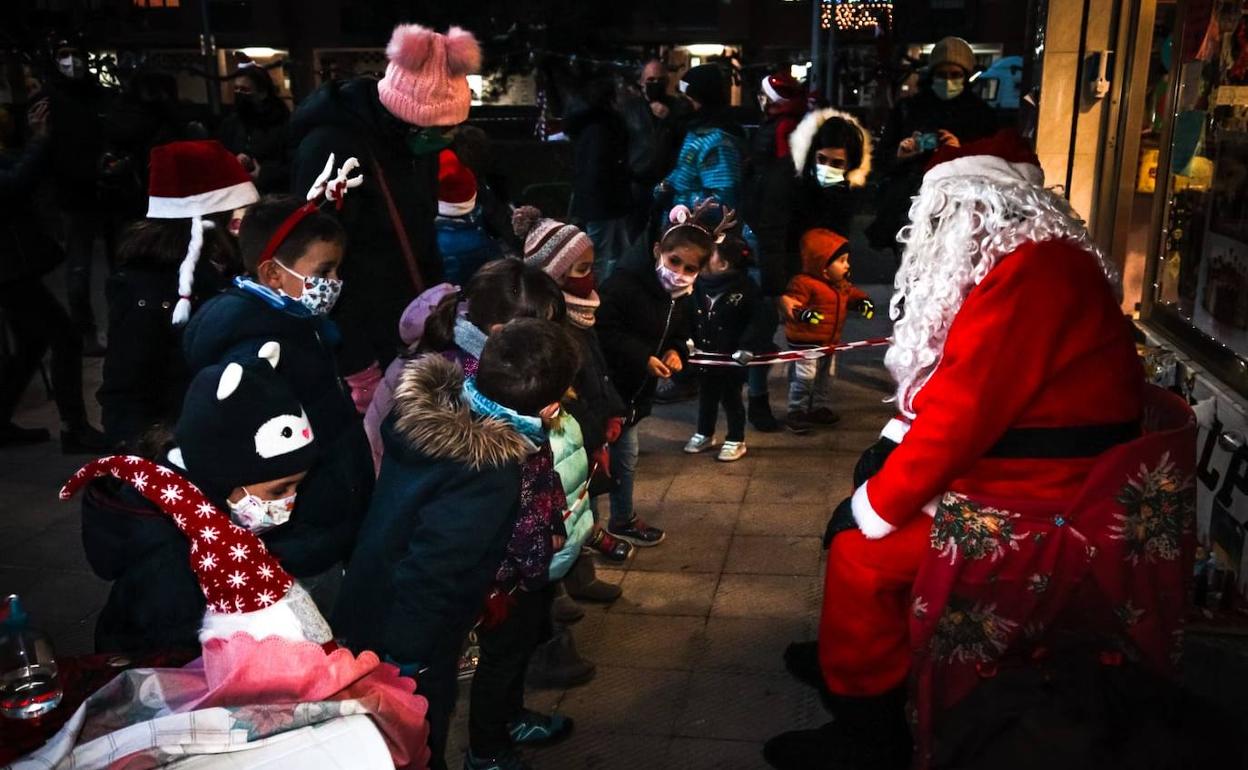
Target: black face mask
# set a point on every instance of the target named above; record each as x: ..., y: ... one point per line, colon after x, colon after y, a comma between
x: 655, y: 91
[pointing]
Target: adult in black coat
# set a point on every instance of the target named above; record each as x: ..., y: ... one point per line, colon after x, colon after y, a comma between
x: 31, y: 313
x: 655, y: 119
x: 257, y: 129
x: 348, y: 120
x: 145, y: 374
x: 944, y: 111
x: 601, y: 196
x: 77, y: 139
x: 832, y: 156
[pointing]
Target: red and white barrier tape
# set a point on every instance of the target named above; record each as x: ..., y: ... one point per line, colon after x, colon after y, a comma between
x: 703, y: 358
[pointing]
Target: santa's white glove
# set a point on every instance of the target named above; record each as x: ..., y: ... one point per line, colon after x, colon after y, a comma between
x: 743, y: 357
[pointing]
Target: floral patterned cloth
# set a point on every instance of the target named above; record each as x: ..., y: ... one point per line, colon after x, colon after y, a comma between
x: 1004, y: 577
x: 240, y: 694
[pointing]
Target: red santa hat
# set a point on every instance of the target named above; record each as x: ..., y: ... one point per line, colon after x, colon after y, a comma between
x: 781, y: 86
x: 457, y: 186
x: 193, y: 179
x: 245, y: 587
x: 1004, y: 157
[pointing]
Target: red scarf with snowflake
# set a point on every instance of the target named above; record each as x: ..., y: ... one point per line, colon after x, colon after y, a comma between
x: 235, y: 570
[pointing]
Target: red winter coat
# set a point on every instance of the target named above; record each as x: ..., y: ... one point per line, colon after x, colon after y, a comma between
x: 1041, y: 342
x: 812, y: 291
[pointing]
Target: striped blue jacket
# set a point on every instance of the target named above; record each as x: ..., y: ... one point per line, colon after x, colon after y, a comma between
x: 709, y: 164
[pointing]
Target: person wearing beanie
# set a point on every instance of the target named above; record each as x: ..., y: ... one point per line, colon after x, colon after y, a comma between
x: 245, y: 442
x: 168, y: 265
x: 709, y: 162
x: 815, y: 307
x: 396, y: 127
x: 944, y: 112
x: 462, y: 240
x: 601, y: 195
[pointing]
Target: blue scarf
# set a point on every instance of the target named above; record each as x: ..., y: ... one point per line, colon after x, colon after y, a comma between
x: 469, y: 338
x: 271, y: 298
x: 529, y: 427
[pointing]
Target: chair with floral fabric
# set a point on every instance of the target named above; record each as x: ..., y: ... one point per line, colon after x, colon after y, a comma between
x: 1007, y: 582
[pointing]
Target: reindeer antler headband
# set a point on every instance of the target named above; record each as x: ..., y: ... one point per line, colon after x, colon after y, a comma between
x: 682, y: 216
x: 322, y: 191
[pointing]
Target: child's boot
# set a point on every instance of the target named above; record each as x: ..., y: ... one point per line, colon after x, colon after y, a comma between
x: 760, y: 415
x: 556, y: 665
x: 582, y: 583
x: 824, y: 416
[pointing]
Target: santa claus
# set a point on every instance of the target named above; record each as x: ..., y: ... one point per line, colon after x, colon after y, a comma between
x: 1015, y: 369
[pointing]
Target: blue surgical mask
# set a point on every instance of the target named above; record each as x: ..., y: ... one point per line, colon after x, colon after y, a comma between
x: 948, y: 88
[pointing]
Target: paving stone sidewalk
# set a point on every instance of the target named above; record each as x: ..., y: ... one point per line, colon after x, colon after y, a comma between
x: 689, y: 659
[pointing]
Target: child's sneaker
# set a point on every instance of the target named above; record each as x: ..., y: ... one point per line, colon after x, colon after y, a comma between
x: 731, y: 451
x: 699, y: 444
x: 824, y: 416
x: 610, y: 547
x: 637, y: 532
x: 536, y: 729
x: 506, y: 761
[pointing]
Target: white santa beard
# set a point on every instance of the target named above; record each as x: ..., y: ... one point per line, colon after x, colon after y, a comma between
x: 961, y: 227
x: 294, y: 617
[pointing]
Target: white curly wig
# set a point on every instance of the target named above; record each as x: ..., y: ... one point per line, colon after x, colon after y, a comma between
x: 960, y: 228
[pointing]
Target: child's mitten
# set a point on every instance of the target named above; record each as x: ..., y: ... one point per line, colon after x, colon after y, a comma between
x: 810, y: 316
x: 866, y: 307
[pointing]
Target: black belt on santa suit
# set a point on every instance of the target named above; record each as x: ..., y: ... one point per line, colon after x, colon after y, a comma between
x: 1066, y: 442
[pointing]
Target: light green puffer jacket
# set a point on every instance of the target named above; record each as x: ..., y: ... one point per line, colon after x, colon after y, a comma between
x: 572, y: 465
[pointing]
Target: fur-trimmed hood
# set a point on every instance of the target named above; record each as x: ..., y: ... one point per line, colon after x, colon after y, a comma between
x: 431, y: 415
x: 802, y: 140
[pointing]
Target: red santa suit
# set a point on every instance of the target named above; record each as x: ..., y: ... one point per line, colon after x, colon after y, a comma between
x: 1039, y: 342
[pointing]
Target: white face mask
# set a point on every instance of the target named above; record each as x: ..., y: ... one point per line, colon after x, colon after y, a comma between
x: 259, y: 515
x: 948, y: 88
x: 675, y: 283
x: 828, y: 176
x: 71, y: 66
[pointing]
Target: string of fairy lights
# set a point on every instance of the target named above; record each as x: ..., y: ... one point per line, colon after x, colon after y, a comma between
x: 850, y: 15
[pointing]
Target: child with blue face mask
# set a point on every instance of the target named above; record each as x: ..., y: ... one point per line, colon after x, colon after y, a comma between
x: 292, y: 252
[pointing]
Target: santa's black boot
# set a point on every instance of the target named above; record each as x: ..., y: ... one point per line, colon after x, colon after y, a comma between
x: 868, y: 734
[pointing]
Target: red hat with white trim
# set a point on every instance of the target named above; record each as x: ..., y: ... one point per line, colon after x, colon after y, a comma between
x: 457, y: 186
x: 193, y: 179
x: 781, y: 86
x: 1004, y: 157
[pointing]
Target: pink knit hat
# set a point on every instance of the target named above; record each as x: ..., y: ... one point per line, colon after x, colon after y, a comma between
x: 549, y: 245
x: 426, y: 81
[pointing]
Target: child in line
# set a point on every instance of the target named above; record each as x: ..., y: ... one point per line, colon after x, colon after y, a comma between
x: 644, y: 320
x: 732, y: 317
x: 518, y: 612
x: 566, y: 254
x: 816, y: 304
x: 446, y: 502
x: 462, y: 240
x: 291, y: 253
x: 181, y: 249
x: 229, y: 441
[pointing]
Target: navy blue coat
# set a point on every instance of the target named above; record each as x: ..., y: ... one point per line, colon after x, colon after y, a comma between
x: 438, y: 526
x: 334, y: 496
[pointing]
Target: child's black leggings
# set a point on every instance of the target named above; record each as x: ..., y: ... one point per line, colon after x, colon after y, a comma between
x: 716, y: 389
x: 498, y: 686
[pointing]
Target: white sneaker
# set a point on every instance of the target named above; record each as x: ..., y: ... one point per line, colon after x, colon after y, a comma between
x: 699, y: 444
x: 731, y: 451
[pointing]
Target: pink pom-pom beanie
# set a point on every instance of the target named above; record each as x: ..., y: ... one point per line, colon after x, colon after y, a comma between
x: 426, y: 81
